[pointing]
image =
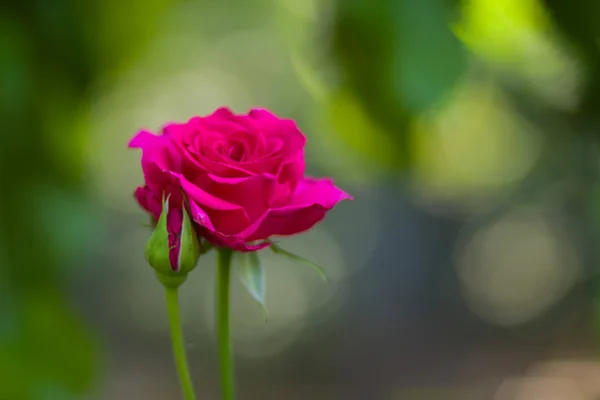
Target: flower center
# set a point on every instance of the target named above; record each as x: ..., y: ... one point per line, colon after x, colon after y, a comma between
x: 236, y: 151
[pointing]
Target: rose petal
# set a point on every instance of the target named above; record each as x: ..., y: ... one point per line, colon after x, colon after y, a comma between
x: 288, y: 176
x: 174, y: 223
x: 231, y: 241
x: 277, y: 128
x: 215, y: 163
x: 157, y: 149
x: 262, y: 113
x: 229, y: 218
x: 221, y: 113
x: 191, y: 140
x: 145, y: 140
x: 207, y: 231
x: 254, y: 193
x: 148, y: 200
x: 224, y: 120
x: 318, y: 191
x: 311, y: 201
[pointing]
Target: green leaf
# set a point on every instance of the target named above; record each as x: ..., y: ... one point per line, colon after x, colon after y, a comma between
x: 428, y: 58
x: 307, y: 76
x: 579, y: 22
x: 399, y: 58
x: 53, y: 353
x: 318, y: 269
x: 252, y: 276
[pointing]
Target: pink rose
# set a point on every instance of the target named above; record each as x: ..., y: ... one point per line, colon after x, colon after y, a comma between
x: 242, y: 177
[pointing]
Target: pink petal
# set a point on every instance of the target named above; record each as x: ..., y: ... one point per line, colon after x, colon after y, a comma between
x: 148, y: 200
x: 278, y: 129
x: 254, y: 193
x: 207, y: 231
x: 158, y: 155
x: 262, y: 113
x: 174, y: 223
x: 144, y: 140
x: 288, y: 176
x: 219, y: 166
x: 318, y: 191
x: 222, y: 113
x: 228, y: 218
x: 311, y: 201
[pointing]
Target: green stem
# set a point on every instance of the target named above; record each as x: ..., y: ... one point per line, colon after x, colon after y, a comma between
x: 178, y: 344
x: 224, y: 333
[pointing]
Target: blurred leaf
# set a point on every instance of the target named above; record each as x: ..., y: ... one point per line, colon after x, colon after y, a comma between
x: 124, y: 27
x: 399, y: 56
x: 579, y: 21
x: 593, y: 206
x: 349, y: 124
x: 15, y: 67
x: 45, y: 350
x: 428, y: 57
x: 69, y: 223
x: 501, y: 30
x: 363, y: 43
x: 319, y: 270
x: 252, y: 276
x: 64, y: 334
x: 51, y: 353
x: 356, y: 129
x: 309, y: 78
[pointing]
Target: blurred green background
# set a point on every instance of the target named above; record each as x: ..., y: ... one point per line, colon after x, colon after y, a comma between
x: 468, y: 132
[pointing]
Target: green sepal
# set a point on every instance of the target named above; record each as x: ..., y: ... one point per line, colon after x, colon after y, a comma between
x: 157, y: 248
x: 189, y: 245
x: 318, y: 269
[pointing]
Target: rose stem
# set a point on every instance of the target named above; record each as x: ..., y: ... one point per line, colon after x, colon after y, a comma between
x: 224, y: 333
x: 178, y: 343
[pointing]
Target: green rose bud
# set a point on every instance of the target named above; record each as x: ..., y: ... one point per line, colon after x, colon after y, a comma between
x: 172, y: 271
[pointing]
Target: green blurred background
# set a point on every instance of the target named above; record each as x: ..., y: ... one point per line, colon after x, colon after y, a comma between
x: 468, y: 132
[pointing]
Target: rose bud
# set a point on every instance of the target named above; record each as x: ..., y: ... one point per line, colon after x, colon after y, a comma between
x: 173, y: 248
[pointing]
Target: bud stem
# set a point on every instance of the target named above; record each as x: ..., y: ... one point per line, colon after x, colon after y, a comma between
x: 225, y: 357
x: 178, y: 343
